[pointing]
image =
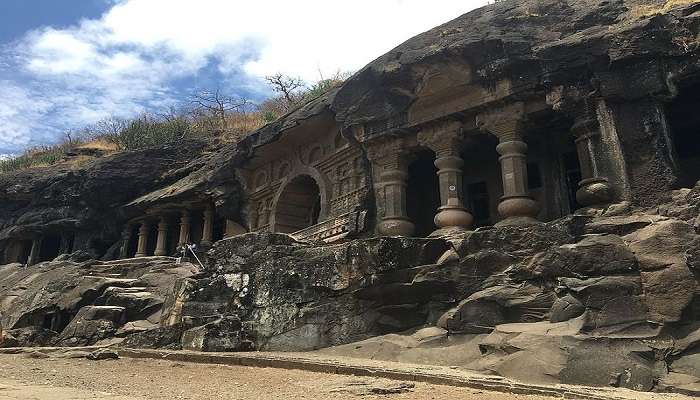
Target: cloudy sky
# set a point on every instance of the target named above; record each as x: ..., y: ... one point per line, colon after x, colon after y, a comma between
x: 65, y: 64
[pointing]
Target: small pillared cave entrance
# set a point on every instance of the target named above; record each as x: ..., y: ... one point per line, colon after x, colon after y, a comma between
x: 423, y: 193
x: 684, y: 121
x: 50, y: 247
x: 298, y: 206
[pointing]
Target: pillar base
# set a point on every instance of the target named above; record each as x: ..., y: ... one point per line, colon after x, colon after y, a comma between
x: 518, y: 210
x: 396, y: 227
x: 453, y: 216
x: 593, y: 191
x: 160, y: 253
x: 448, y: 231
x: 138, y: 255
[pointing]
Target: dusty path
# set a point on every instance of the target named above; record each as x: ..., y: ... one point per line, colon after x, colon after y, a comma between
x: 25, y: 378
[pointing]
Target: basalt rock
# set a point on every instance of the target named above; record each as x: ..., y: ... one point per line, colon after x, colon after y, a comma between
x: 282, y: 287
x: 87, y: 199
x: 92, y: 324
x: 31, y: 336
x: 224, y: 334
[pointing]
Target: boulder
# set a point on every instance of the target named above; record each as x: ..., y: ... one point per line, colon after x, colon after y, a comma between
x: 659, y: 245
x: 668, y: 284
x: 166, y: 337
x: 621, y: 224
x: 609, y: 300
x: 224, y: 334
x: 566, y: 308
x: 92, y: 324
x: 501, y: 303
x: 31, y: 336
x: 103, y: 354
x: 138, y: 302
x: 593, y: 255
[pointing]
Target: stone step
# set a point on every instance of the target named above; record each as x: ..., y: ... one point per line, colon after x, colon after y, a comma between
x: 137, y: 260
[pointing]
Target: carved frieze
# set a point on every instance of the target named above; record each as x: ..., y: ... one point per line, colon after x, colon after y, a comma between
x: 504, y: 122
x: 444, y: 137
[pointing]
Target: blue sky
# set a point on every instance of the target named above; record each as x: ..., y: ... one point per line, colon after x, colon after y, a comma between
x: 65, y: 64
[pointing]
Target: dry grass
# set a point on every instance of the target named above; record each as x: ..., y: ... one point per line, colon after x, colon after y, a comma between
x: 651, y: 10
x: 99, y: 144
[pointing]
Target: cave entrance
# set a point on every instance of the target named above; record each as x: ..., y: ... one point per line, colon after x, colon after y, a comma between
x: 152, y: 239
x: 684, y: 121
x: 56, y: 321
x: 219, y: 229
x: 298, y: 206
x: 133, y: 241
x: 18, y: 251
x: 50, y: 247
x: 25, y: 249
x: 481, y: 178
x: 423, y: 193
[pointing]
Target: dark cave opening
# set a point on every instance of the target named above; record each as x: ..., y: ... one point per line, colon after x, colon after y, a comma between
x: 298, y: 206
x: 50, y: 247
x: 423, y: 193
x: 684, y: 123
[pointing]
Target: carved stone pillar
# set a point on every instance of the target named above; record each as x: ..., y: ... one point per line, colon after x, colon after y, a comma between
x: 126, y: 239
x: 142, y: 246
x: 386, y: 156
x: 34, y: 252
x: 594, y: 189
x: 185, y: 226
x: 162, y: 240
x: 208, y: 228
x: 517, y: 207
x: 445, y: 141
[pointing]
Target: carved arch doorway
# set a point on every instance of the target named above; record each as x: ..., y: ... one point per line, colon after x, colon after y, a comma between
x: 298, y: 205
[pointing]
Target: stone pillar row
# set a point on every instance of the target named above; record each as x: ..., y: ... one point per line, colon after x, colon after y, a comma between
x: 185, y: 224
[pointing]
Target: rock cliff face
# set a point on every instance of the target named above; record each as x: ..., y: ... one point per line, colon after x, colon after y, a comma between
x: 607, y: 296
x: 600, y: 298
x: 87, y: 198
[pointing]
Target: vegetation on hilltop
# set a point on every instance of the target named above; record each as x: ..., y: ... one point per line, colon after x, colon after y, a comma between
x: 210, y: 115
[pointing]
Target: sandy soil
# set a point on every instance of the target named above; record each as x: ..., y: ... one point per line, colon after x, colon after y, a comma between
x: 26, y: 378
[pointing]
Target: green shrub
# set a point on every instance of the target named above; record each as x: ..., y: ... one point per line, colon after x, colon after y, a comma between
x: 37, y: 156
x: 146, y: 132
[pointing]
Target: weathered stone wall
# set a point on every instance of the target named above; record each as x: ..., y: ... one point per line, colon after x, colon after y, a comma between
x: 296, y: 296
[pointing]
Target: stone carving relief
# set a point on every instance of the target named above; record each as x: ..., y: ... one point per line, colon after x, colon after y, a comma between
x: 339, y: 166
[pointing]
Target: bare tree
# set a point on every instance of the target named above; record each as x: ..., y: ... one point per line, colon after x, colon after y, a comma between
x: 287, y: 86
x: 217, y: 105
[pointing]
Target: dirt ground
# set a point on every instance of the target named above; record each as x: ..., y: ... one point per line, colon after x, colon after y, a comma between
x: 23, y: 377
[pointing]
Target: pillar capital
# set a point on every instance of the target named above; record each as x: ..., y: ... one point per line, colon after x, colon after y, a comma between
x: 585, y: 126
x: 388, y: 152
x: 444, y: 138
x: 506, y: 122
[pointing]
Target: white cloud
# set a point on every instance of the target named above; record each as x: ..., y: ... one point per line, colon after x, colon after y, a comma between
x: 130, y: 59
x: 18, y: 111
